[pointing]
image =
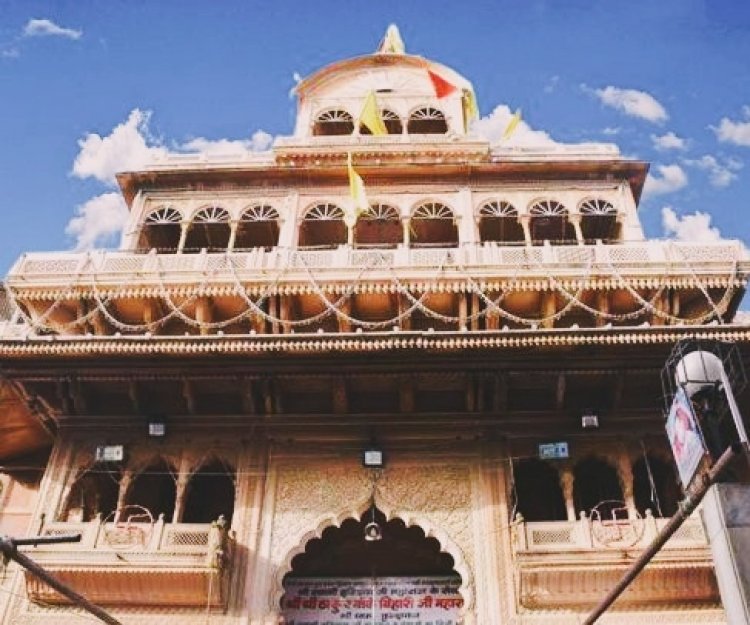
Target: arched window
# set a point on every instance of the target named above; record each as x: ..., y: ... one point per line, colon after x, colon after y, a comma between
x: 155, y: 489
x: 655, y: 486
x: 161, y: 230
x: 333, y: 122
x: 392, y: 123
x: 94, y: 492
x: 427, y: 121
x: 210, y: 494
x: 549, y: 222
x: 433, y: 225
x: 380, y: 226
x: 323, y: 227
x: 596, y: 485
x: 498, y: 221
x: 209, y: 229
x: 258, y: 227
x: 538, y: 493
x: 598, y: 220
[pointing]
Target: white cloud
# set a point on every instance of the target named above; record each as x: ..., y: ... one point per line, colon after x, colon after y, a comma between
x: 631, y: 102
x: 10, y: 53
x: 736, y: 132
x: 551, y: 84
x: 129, y: 146
x: 742, y: 317
x: 670, y: 178
x: 695, y: 228
x: 98, y: 220
x: 259, y: 142
x: 668, y: 141
x: 493, y: 126
x: 720, y: 174
x: 47, y: 28
x: 611, y: 131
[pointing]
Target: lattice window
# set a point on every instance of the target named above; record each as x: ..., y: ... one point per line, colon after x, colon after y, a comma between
x: 333, y: 122
x: 598, y: 220
x: 324, y: 212
x: 260, y: 212
x: 548, y: 207
x: 497, y: 208
x: 596, y: 207
x: 432, y: 210
x: 161, y: 229
x: 382, y: 212
x: 164, y: 215
x: 427, y: 120
x: 499, y: 223
x: 211, y: 215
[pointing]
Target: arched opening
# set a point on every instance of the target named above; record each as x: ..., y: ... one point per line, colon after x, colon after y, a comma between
x: 93, y: 493
x: 596, y: 485
x: 655, y: 487
x: 323, y: 227
x: 155, y: 489
x: 427, y: 121
x: 258, y: 227
x: 210, y: 494
x: 372, y: 578
x: 549, y: 222
x: 161, y: 230
x: 333, y: 122
x: 209, y: 229
x: 380, y: 226
x: 538, y: 493
x: 598, y: 221
x: 433, y: 225
x: 498, y: 221
x: 391, y: 121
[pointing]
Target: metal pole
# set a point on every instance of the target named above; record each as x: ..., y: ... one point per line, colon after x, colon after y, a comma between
x: 689, y: 504
x: 8, y: 547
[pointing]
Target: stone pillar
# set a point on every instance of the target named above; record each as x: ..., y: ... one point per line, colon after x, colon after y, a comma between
x: 625, y: 473
x: 525, y: 221
x: 232, y: 235
x: 184, y: 227
x: 575, y: 220
x: 181, y: 484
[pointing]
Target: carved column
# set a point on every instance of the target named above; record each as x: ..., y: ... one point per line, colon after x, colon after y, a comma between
x: 625, y: 473
x: 232, y: 235
x: 183, y: 478
x: 566, y: 483
x: 525, y: 221
x: 184, y: 227
x: 125, y: 481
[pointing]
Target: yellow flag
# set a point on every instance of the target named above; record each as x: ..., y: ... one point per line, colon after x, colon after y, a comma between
x: 370, y: 116
x: 512, y: 124
x: 359, y: 196
x: 392, y: 42
x: 471, y: 110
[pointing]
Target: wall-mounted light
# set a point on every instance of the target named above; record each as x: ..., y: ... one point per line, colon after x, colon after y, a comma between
x: 157, y: 428
x: 372, y: 458
x: 589, y: 421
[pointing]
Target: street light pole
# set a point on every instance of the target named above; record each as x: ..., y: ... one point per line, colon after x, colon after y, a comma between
x: 9, y: 550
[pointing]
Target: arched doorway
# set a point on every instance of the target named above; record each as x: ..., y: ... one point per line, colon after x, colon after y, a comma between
x: 343, y: 578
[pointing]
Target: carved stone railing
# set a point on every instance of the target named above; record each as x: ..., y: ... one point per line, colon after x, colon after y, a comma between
x: 648, y: 258
x: 590, y: 535
x: 572, y: 564
x: 186, y: 564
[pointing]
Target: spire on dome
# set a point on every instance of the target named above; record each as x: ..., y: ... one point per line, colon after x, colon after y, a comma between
x: 392, y: 42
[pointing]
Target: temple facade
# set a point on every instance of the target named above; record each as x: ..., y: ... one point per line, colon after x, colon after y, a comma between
x: 490, y: 328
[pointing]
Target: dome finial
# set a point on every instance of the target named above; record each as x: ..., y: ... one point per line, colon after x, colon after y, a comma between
x: 392, y: 42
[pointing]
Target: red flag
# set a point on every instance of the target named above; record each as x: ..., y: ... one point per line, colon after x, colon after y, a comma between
x: 442, y: 86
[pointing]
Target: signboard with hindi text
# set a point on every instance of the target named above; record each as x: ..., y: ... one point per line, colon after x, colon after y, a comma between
x: 367, y: 600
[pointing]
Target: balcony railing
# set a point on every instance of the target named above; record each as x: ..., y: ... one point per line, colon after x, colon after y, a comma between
x: 646, y: 258
x: 186, y: 564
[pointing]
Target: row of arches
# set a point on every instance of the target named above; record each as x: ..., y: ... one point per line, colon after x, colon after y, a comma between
x: 430, y: 224
x: 540, y: 489
x: 423, y: 120
x: 207, y: 494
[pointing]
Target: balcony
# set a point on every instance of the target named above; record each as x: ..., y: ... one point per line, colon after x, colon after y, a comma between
x: 573, y: 564
x: 648, y: 258
x: 136, y: 564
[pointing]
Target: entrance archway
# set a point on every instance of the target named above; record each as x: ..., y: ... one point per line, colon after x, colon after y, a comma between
x: 341, y: 577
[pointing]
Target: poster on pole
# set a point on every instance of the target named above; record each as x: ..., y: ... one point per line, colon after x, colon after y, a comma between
x: 684, y: 437
x: 366, y: 601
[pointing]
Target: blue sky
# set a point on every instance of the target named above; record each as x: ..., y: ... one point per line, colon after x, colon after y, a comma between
x: 628, y: 72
